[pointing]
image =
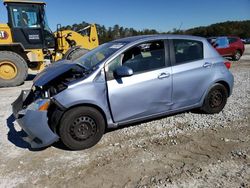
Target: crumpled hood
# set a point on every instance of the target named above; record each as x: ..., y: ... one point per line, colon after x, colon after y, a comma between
x: 53, y: 71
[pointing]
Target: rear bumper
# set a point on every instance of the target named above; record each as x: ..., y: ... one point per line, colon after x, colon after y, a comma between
x: 34, y: 123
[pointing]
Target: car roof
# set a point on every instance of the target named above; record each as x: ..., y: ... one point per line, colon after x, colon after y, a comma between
x: 23, y: 2
x: 231, y: 36
x: 157, y: 37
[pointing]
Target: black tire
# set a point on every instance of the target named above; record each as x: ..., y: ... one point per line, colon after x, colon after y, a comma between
x: 215, y: 100
x: 20, y: 65
x: 237, y: 55
x: 75, y: 54
x: 81, y: 128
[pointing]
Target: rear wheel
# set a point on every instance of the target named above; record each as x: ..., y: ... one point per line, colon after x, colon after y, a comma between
x: 13, y: 69
x: 75, y: 54
x: 237, y: 55
x: 81, y: 128
x: 215, y: 100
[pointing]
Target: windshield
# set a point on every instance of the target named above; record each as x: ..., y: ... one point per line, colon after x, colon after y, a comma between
x: 25, y: 16
x: 98, y: 55
x: 45, y: 21
x: 222, y: 42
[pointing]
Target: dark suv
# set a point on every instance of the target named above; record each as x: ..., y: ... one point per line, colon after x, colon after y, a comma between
x: 228, y: 46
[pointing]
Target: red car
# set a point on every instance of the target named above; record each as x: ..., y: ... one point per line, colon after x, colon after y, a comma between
x: 228, y: 46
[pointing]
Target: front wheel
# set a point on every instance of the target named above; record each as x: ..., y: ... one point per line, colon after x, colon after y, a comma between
x: 237, y: 55
x: 215, y: 100
x: 81, y: 128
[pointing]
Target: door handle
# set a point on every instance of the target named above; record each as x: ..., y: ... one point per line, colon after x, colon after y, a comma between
x: 164, y: 75
x: 207, y: 65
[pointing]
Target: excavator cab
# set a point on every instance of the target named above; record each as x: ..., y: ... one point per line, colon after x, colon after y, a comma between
x: 28, y: 24
x: 26, y: 42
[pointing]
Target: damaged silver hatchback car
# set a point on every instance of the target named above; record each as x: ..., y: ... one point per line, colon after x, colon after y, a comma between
x: 122, y: 82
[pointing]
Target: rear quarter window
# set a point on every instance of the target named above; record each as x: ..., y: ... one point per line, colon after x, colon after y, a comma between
x: 232, y: 40
x: 187, y: 50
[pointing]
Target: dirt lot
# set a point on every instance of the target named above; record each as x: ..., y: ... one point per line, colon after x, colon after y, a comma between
x: 183, y: 150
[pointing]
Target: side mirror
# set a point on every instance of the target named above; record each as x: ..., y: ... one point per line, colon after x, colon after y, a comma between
x: 123, y: 71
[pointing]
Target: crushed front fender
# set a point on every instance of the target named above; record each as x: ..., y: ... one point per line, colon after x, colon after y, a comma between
x: 34, y: 123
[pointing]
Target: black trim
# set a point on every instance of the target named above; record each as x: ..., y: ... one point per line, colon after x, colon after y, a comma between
x: 55, y: 113
x: 14, y: 45
x: 61, y: 107
x: 167, y: 53
x: 26, y: 2
x: 171, y: 52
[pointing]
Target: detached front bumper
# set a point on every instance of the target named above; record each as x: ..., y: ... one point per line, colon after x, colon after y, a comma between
x: 34, y: 123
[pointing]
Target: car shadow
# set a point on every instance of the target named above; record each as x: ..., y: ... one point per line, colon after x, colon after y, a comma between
x: 16, y: 137
x: 60, y: 145
x: 194, y: 111
x: 30, y: 77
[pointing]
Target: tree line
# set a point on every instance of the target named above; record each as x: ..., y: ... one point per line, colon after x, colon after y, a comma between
x: 237, y: 28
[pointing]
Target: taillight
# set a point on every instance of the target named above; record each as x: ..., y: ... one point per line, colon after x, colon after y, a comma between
x: 227, y: 64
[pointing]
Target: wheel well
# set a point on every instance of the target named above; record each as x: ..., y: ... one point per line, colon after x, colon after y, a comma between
x: 15, y: 48
x: 239, y: 50
x: 55, y: 126
x: 90, y: 105
x: 225, y: 84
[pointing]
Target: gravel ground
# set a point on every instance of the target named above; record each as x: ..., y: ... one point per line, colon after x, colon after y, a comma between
x: 184, y: 150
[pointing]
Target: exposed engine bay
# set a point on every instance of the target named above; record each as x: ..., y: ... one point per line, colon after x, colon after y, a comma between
x: 56, y: 85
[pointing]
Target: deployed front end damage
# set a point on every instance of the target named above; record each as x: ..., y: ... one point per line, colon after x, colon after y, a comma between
x: 32, y: 108
x: 33, y: 120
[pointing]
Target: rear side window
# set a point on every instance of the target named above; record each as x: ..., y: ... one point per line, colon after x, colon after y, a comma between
x: 232, y: 40
x: 187, y: 50
x: 222, y: 42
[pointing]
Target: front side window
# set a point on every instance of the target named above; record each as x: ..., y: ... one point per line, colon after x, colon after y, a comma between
x: 187, y: 50
x: 222, y: 42
x: 25, y: 16
x: 141, y: 58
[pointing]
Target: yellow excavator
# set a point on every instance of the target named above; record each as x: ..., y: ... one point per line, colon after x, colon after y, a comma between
x: 26, y: 41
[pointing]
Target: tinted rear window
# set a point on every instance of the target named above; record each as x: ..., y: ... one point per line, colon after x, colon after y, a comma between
x: 232, y: 40
x: 187, y: 50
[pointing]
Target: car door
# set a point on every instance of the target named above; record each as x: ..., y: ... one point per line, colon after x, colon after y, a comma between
x: 149, y: 90
x: 26, y: 25
x: 234, y: 45
x: 190, y: 72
